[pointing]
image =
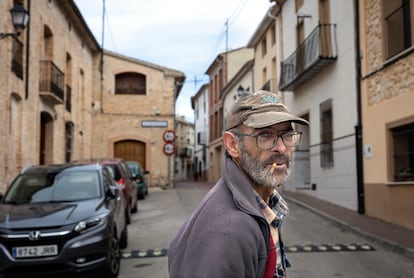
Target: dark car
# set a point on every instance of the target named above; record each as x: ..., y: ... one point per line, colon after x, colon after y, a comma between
x: 64, y: 219
x: 139, y: 176
x: 123, y: 176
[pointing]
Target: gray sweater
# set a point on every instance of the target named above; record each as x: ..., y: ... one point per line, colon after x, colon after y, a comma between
x: 226, y: 236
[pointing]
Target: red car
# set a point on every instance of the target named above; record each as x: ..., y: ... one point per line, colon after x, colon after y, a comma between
x: 123, y: 176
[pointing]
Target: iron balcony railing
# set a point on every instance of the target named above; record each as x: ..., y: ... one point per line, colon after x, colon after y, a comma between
x: 316, y: 52
x: 51, y: 84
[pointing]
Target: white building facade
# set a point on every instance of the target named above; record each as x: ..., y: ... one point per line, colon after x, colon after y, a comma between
x: 318, y: 79
x: 199, y: 103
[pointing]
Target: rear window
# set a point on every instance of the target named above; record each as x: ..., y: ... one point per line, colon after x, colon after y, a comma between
x: 116, y: 174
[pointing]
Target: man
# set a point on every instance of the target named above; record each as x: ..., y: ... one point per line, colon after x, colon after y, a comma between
x: 235, y: 232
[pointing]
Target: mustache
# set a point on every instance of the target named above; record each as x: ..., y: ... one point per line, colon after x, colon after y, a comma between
x: 277, y: 158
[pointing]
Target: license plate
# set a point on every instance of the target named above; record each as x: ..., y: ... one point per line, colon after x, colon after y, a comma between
x: 35, y: 251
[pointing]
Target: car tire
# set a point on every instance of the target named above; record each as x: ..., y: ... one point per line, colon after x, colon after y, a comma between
x: 113, y: 264
x: 123, y: 242
x: 135, y: 207
x: 141, y: 196
x: 128, y: 215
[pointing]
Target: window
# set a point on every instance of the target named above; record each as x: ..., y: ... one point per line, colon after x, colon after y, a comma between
x: 403, y: 152
x: 326, y: 132
x: 397, y: 26
x: 273, y: 34
x: 130, y: 83
x: 68, y: 100
x: 68, y: 141
x: 17, y: 59
x: 264, y: 47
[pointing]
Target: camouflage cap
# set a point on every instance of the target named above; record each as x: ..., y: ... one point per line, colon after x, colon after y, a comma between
x: 259, y: 110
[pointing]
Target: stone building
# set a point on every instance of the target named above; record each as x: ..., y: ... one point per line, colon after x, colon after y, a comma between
x: 57, y: 105
x: 387, y: 95
x: 184, y: 153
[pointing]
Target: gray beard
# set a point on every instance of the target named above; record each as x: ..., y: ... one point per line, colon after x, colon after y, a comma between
x: 258, y: 172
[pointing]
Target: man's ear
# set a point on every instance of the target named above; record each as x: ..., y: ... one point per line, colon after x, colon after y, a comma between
x: 231, y: 144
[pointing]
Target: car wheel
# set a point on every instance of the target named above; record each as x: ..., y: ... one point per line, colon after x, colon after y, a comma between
x: 114, y: 258
x: 128, y: 215
x: 141, y: 195
x: 135, y: 207
x: 123, y: 243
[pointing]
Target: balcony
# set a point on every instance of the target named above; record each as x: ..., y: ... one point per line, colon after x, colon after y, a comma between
x: 315, y: 53
x: 51, y: 84
x: 186, y: 152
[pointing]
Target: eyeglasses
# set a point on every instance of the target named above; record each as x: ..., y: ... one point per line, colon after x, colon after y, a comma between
x: 267, y: 141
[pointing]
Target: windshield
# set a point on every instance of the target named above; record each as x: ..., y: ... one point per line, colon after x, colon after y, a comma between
x: 63, y: 187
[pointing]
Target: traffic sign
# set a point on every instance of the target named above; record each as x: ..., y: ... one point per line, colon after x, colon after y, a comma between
x: 169, y: 136
x: 169, y: 148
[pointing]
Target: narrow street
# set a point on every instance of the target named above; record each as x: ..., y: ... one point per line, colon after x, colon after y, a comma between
x: 316, y: 247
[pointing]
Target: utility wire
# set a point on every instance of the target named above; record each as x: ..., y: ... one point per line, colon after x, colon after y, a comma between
x: 106, y: 16
x: 224, y: 34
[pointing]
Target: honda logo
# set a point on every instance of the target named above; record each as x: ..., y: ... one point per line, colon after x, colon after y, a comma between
x: 34, y: 235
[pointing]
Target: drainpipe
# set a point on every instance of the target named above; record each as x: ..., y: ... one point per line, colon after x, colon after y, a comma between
x: 26, y: 93
x: 358, y: 126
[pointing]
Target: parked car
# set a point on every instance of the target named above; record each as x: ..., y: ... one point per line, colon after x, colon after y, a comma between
x: 139, y: 176
x: 62, y: 219
x: 123, y: 176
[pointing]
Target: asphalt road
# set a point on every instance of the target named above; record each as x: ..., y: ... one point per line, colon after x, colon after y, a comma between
x: 316, y: 247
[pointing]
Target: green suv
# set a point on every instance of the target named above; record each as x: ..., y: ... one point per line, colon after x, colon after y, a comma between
x: 139, y: 176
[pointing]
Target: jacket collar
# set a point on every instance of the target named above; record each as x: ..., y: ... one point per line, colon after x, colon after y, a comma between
x: 243, y: 194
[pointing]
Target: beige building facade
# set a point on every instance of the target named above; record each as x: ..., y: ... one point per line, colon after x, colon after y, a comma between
x: 387, y: 74
x: 224, y: 67
x: 58, y: 106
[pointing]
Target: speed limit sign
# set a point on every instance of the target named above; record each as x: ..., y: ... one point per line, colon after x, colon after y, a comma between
x: 169, y: 136
x: 169, y: 148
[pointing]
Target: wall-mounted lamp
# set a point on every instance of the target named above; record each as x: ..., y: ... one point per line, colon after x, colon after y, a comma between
x: 240, y: 91
x: 20, y: 18
x: 157, y: 111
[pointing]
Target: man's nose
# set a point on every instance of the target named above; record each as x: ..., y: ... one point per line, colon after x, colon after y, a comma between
x: 279, y: 145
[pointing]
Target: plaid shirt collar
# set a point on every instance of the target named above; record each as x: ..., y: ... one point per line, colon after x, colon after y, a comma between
x: 274, y: 212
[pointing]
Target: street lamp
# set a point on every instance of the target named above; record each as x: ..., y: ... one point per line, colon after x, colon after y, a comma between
x: 20, y: 18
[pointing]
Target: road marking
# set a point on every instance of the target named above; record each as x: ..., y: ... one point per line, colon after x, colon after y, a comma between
x: 329, y: 248
x: 148, y: 253
x: 306, y: 248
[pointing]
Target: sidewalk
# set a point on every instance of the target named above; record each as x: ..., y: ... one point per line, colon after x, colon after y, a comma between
x: 395, y: 237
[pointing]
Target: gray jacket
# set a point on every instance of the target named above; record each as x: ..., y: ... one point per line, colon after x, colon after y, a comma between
x: 226, y: 236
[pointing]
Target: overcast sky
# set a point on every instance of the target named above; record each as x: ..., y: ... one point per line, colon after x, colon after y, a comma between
x: 184, y: 35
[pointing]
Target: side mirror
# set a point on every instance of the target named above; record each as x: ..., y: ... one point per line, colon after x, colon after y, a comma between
x: 146, y: 172
x: 113, y: 192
